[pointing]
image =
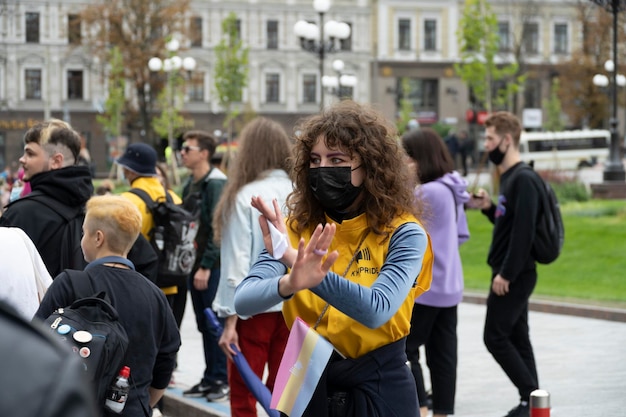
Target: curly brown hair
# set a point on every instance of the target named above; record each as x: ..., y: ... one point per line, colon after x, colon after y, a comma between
x: 357, y: 130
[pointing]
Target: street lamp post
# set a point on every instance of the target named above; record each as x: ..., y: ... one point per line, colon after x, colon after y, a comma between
x: 614, y: 167
x: 336, y: 84
x: 320, y: 40
x: 171, y: 65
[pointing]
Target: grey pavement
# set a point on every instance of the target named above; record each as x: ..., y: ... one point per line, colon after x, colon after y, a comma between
x: 581, y: 362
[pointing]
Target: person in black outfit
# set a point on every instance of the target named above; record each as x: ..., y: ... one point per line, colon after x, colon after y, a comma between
x: 50, y: 155
x: 514, y: 274
x: 111, y: 225
x: 39, y: 377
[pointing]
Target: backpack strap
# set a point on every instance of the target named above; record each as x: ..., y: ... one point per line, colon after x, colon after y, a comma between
x: 145, y: 197
x: 63, y: 210
x: 81, y: 283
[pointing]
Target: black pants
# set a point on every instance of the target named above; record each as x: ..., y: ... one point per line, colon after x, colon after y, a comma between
x: 435, y: 329
x: 506, y: 333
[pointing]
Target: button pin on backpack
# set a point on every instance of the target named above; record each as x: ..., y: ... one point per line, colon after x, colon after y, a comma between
x: 82, y: 336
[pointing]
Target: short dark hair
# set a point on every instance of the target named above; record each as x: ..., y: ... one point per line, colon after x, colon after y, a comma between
x: 205, y: 140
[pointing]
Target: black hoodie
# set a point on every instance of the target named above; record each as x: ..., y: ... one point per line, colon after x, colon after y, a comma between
x: 72, y: 187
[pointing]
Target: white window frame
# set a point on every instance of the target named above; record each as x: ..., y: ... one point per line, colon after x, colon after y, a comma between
x: 568, y: 38
x: 301, y: 88
x: 281, y: 85
x: 396, y: 33
x: 438, y: 40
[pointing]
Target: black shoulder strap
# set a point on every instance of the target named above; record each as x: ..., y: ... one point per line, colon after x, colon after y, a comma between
x: 65, y: 211
x: 81, y: 283
x: 145, y: 197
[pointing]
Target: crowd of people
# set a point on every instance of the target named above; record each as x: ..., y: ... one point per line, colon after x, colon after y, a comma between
x: 348, y: 226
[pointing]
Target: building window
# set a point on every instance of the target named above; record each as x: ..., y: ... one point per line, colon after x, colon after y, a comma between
x: 504, y: 42
x: 346, y: 92
x: 73, y: 29
x: 75, y: 85
x: 532, y: 94
x: 309, y: 88
x: 560, y: 38
x: 195, y: 31
x: 531, y: 38
x: 404, y: 35
x: 238, y: 29
x: 195, y: 87
x: 346, y: 44
x: 272, y: 34
x: 422, y: 94
x: 32, y: 78
x: 32, y: 27
x: 430, y: 35
x: 272, y: 88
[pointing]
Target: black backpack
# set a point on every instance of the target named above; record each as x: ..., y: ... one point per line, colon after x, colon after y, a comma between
x: 91, y: 326
x: 173, y: 236
x: 550, y: 232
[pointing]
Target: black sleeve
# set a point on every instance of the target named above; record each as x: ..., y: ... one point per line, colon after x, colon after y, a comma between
x: 525, y: 198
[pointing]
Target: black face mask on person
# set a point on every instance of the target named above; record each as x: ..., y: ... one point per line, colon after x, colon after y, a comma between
x: 496, y: 156
x: 333, y: 188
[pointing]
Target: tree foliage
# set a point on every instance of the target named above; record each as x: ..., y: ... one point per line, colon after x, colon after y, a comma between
x: 140, y: 29
x: 114, y: 105
x: 231, y: 69
x: 479, y: 45
x: 584, y: 103
x: 406, y: 107
x: 552, y: 106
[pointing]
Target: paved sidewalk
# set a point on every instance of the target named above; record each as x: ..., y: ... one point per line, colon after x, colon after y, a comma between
x: 581, y: 362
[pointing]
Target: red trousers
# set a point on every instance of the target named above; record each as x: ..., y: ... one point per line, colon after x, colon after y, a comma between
x: 262, y: 340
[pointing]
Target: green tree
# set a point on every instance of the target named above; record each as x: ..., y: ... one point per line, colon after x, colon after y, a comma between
x: 406, y: 107
x: 231, y: 72
x: 552, y: 106
x: 111, y: 120
x: 479, y: 44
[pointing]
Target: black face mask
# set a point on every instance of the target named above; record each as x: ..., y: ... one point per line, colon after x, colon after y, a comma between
x: 496, y: 155
x: 333, y: 188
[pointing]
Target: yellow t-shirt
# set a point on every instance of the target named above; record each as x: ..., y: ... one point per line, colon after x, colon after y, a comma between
x: 350, y: 337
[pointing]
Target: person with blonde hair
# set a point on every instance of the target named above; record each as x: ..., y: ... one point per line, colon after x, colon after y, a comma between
x: 357, y: 258
x: 261, y: 168
x: 111, y: 226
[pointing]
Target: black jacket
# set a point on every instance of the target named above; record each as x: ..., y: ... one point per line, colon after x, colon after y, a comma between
x: 153, y: 336
x: 70, y: 186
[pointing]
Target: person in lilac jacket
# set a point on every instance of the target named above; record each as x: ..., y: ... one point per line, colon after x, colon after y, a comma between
x: 434, y: 319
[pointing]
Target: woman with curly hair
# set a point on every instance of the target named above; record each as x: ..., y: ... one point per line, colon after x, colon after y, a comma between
x: 362, y: 258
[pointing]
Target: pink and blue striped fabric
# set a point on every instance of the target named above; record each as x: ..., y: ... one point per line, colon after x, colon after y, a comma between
x: 305, y: 358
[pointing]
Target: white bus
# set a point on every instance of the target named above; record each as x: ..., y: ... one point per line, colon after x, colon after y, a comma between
x: 565, y: 150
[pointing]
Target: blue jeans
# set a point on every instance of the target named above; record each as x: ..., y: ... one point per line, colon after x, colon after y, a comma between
x: 214, y: 358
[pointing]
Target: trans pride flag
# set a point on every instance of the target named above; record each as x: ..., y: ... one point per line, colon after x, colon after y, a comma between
x: 305, y: 358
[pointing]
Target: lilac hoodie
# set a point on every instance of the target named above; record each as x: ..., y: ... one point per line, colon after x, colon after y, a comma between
x: 447, y: 225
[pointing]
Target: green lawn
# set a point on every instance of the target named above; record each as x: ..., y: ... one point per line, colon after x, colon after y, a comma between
x: 591, y: 267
